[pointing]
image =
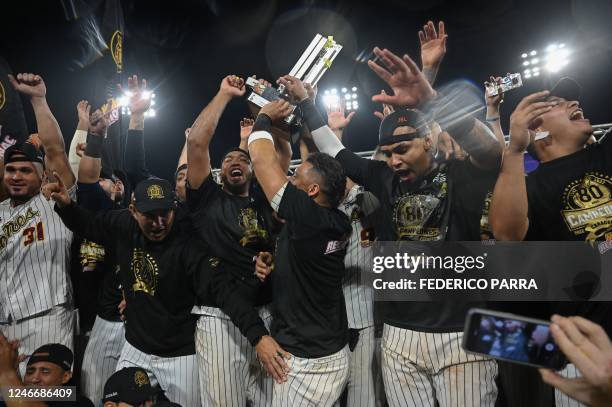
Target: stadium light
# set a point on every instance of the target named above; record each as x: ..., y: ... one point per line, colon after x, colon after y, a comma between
x: 124, y: 102
x: 553, y: 58
x: 332, y: 99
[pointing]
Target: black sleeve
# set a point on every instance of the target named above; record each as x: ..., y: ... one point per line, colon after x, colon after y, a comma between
x: 92, y: 197
x: 203, y: 196
x: 212, y: 280
x: 102, y: 227
x: 370, y: 174
x: 135, y: 162
x: 298, y: 208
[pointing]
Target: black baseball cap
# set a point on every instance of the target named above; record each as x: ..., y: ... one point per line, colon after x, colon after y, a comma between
x: 566, y: 88
x: 153, y: 194
x: 130, y: 385
x: 55, y: 353
x: 166, y: 404
x: 402, y: 118
x: 23, y: 152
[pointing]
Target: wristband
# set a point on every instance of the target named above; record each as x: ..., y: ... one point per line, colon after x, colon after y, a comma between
x: 492, y: 119
x: 94, y: 146
x: 257, y: 135
x: 263, y: 122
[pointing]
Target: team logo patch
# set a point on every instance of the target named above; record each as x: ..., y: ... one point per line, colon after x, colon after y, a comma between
x: 116, y: 47
x: 587, y: 206
x: 145, y: 271
x: 141, y: 378
x: 214, y: 262
x: 155, y: 192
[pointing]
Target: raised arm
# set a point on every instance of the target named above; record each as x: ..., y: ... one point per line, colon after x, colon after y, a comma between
x: 433, y: 49
x: 48, y: 130
x: 203, y: 129
x: 9, y: 378
x: 356, y: 168
x: 493, y: 117
x: 412, y: 90
x: 508, y: 213
x: 91, y: 163
x: 139, y: 103
x: 80, y: 136
x: 183, y: 157
x: 266, y: 163
x: 246, y: 127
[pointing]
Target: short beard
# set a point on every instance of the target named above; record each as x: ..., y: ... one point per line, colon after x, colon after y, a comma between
x: 21, y: 199
x: 236, y: 189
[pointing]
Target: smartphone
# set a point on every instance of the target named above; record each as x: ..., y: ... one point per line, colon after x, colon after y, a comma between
x: 512, y: 338
x: 508, y: 82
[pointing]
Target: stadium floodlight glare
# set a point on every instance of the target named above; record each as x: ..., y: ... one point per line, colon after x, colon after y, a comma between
x: 524, y: 55
x: 556, y: 58
x: 347, y: 97
x: 150, y: 113
x: 533, y: 53
x: 527, y: 71
x: 526, y: 63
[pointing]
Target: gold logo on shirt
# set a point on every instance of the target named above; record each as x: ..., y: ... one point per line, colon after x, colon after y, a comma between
x: 155, y: 192
x: 90, y: 255
x: 587, y: 206
x: 254, y: 234
x: 14, y: 226
x: 145, y: 271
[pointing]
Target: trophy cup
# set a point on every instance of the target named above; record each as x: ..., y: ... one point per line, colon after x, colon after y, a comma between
x: 316, y: 59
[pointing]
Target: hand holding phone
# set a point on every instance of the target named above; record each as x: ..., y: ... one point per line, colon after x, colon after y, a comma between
x: 512, y: 338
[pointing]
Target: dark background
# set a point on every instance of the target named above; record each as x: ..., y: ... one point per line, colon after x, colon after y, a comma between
x: 185, y: 47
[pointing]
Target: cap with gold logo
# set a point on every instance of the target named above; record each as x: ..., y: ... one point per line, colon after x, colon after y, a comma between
x: 153, y: 194
x: 129, y: 385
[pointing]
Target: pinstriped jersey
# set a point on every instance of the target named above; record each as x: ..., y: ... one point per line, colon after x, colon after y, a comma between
x: 358, y: 205
x: 34, y: 258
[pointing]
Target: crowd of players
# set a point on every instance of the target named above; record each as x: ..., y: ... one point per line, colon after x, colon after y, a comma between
x: 250, y: 288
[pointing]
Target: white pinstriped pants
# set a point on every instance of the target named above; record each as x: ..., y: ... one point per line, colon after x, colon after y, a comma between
x: 101, y: 356
x: 562, y: 400
x: 313, y: 382
x: 420, y: 367
x: 229, y: 370
x: 53, y: 326
x: 364, y: 370
x: 177, y: 376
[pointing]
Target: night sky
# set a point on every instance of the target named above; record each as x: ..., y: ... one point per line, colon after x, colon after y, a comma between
x: 184, y: 49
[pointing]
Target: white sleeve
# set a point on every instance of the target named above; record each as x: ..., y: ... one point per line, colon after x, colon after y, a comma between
x: 326, y: 141
x: 278, y: 197
x: 80, y: 136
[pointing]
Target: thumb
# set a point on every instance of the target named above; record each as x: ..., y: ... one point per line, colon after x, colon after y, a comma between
x: 13, y: 81
x: 379, y: 115
x: 350, y: 116
x: 383, y: 98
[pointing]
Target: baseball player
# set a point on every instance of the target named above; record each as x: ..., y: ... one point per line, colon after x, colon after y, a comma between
x: 35, y: 290
x: 309, y: 314
x: 420, y: 196
x: 237, y: 226
x: 157, y: 261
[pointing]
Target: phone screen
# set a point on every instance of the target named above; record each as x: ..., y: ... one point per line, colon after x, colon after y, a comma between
x: 513, y: 339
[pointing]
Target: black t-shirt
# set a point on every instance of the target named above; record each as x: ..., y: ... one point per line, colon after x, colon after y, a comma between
x: 236, y: 228
x: 570, y: 198
x: 96, y: 275
x: 159, y: 278
x: 309, y: 313
x: 446, y: 204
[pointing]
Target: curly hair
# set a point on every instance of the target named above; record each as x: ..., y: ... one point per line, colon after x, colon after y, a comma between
x: 332, y: 175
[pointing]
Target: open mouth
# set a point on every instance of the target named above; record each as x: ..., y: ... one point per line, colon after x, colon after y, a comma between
x: 236, y: 174
x: 577, y: 115
x: 405, y: 175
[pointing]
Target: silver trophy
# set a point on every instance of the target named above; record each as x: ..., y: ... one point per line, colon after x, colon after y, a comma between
x: 311, y: 66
